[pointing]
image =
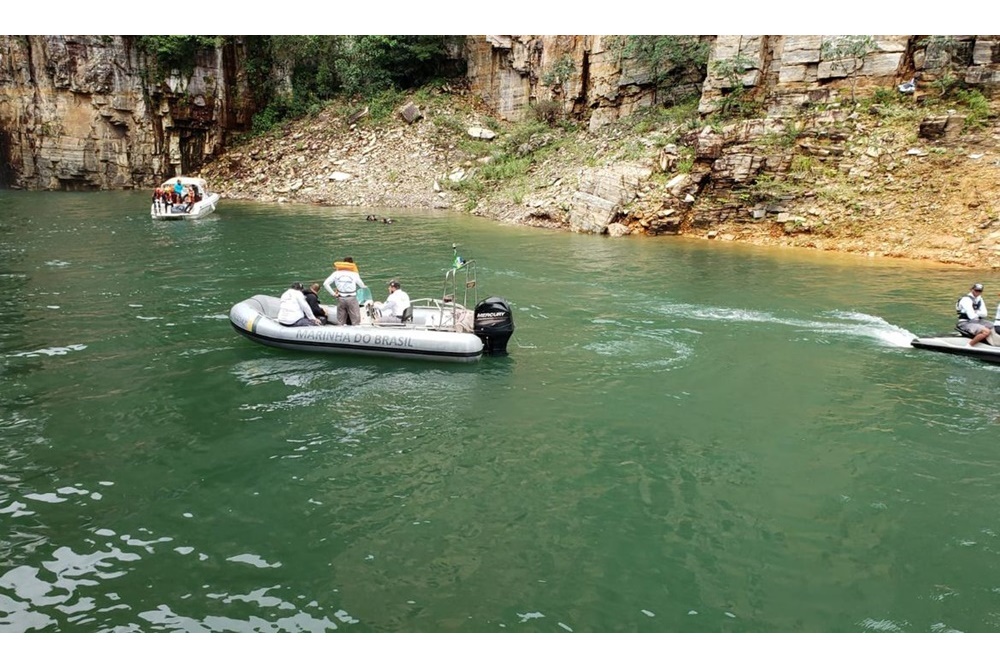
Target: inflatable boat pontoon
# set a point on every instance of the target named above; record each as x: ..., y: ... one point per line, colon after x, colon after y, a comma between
x: 439, y: 329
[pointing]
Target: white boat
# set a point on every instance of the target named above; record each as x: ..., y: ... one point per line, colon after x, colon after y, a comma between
x: 958, y: 344
x: 438, y: 329
x: 204, y: 202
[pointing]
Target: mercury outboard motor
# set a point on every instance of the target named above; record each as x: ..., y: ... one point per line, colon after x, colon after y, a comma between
x: 494, y: 324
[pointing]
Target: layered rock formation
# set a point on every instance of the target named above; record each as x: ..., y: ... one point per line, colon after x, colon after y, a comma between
x: 85, y: 112
x: 82, y: 112
x: 782, y: 77
x: 784, y: 73
x: 587, y: 76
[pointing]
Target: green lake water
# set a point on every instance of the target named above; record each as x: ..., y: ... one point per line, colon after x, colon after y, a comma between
x: 687, y: 436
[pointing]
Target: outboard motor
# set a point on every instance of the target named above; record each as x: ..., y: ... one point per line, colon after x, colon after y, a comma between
x: 494, y: 324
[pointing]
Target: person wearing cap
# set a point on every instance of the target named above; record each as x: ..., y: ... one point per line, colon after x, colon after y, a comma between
x: 973, y: 316
x: 344, y: 284
x: 394, y: 306
x: 293, y: 310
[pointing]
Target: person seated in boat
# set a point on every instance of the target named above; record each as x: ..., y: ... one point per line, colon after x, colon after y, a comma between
x: 173, y: 199
x: 312, y: 298
x: 294, y: 311
x: 972, y: 315
x: 344, y: 284
x: 391, y: 310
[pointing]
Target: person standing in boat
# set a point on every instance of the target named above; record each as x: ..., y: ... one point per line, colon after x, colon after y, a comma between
x: 293, y: 310
x: 312, y: 298
x: 973, y: 318
x: 344, y: 284
x: 394, y: 306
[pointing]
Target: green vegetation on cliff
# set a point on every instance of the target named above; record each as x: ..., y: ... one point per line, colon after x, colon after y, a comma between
x: 296, y: 74
x: 291, y: 76
x: 174, y: 52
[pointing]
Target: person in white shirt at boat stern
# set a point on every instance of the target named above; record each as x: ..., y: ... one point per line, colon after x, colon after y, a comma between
x: 344, y: 285
x: 294, y: 310
x: 973, y: 316
x: 395, y: 304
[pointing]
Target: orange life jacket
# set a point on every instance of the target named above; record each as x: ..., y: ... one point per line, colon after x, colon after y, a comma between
x: 346, y: 266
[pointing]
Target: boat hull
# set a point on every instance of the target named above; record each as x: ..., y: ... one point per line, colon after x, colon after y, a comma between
x: 199, y: 210
x: 958, y: 345
x: 255, y: 318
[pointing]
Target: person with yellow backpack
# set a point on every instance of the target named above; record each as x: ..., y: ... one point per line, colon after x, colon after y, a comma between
x: 344, y: 284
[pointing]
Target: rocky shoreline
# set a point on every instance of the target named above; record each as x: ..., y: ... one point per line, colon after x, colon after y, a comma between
x: 902, y: 197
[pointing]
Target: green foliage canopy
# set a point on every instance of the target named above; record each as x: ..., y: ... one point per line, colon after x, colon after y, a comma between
x: 292, y: 75
x: 319, y: 67
x: 175, y: 52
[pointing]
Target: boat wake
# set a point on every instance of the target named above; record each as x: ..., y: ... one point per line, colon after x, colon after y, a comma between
x: 836, y: 322
x: 871, y: 326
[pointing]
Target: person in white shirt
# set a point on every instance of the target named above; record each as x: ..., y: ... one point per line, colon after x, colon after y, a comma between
x: 397, y: 302
x: 973, y: 316
x: 344, y: 284
x: 294, y: 311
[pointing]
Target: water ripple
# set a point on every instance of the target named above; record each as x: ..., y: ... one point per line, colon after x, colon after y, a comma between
x: 50, y: 351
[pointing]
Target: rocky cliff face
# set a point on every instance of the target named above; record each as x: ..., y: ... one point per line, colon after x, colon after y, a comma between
x: 796, y: 86
x: 784, y: 73
x: 81, y: 113
x: 587, y: 76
